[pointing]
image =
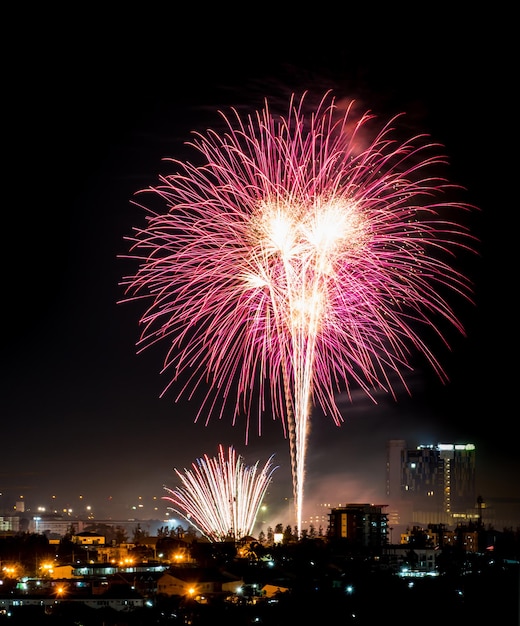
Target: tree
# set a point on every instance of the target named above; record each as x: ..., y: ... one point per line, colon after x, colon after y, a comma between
x: 66, y: 549
x: 288, y: 536
x: 139, y: 534
x: 121, y: 535
x: 179, y: 532
x: 162, y: 532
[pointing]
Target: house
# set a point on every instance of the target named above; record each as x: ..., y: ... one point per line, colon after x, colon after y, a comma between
x: 197, y: 582
x: 63, y: 571
x: 119, y: 596
x: 89, y: 539
x: 272, y: 591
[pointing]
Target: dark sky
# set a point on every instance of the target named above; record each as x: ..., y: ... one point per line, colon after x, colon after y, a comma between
x: 91, y: 107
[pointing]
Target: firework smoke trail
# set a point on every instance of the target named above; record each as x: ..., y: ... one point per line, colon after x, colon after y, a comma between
x: 221, y: 497
x: 301, y: 259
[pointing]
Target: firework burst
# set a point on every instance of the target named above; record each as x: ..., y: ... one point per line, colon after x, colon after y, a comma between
x: 302, y: 257
x: 221, y: 497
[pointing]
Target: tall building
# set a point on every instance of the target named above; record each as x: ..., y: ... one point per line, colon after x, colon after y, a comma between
x: 364, y: 525
x: 431, y: 483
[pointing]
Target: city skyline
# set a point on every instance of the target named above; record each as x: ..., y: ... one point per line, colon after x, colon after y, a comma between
x: 81, y: 412
x: 274, y: 509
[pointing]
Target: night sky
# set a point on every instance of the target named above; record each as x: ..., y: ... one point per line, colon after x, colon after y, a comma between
x: 92, y: 108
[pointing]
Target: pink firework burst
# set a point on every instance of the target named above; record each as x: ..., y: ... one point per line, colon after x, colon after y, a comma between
x: 299, y: 259
x: 220, y: 496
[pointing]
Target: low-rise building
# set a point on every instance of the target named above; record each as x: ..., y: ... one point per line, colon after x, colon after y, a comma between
x: 196, y: 582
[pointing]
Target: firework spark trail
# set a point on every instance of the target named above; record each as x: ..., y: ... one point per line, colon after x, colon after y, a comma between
x: 221, y: 497
x: 300, y: 260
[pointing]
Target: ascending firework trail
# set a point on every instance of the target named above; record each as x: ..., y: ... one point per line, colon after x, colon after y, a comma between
x: 300, y: 257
